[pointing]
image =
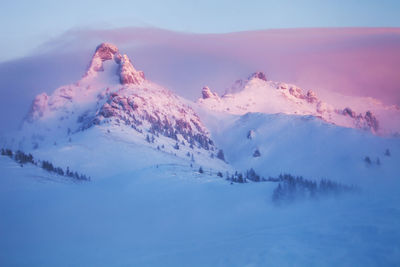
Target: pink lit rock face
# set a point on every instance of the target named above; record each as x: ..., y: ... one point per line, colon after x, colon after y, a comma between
x: 127, y: 73
x: 113, y: 92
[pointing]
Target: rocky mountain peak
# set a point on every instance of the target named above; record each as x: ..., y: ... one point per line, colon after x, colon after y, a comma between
x: 207, y: 93
x: 102, y: 99
x: 106, y: 51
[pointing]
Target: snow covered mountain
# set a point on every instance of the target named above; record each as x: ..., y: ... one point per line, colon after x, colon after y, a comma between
x: 112, y: 93
x: 114, y: 105
x: 257, y: 94
x: 160, y: 168
x: 303, y: 144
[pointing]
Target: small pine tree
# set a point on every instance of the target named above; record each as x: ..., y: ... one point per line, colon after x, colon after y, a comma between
x: 387, y: 153
x: 68, y: 172
x: 240, y: 178
x: 201, y: 170
x: 257, y: 153
x: 367, y: 160
x: 221, y: 155
x: 176, y: 146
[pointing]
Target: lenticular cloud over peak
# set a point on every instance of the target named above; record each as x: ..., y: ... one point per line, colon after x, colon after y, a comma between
x: 352, y: 62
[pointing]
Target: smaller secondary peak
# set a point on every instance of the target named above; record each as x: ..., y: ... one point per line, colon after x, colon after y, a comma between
x: 128, y: 74
x: 207, y: 93
x: 259, y: 75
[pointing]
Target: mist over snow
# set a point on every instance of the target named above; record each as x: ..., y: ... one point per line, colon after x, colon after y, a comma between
x: 144, y: 147
x: 359, y: 61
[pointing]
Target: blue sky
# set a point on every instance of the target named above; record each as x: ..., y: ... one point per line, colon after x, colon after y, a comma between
x: 26, y: 24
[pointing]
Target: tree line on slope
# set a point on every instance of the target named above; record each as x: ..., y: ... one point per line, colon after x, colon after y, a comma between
x: 22, y: 158
x: 291, y: 188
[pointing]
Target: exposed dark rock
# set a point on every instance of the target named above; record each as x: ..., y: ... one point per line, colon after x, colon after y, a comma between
x: 259, y: 75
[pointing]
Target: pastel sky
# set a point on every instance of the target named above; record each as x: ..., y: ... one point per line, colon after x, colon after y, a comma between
x: 25, y: 24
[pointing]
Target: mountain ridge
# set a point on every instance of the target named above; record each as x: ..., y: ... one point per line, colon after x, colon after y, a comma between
x: 257, y: 94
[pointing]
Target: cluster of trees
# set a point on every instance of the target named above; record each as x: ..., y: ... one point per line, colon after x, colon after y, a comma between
x: 369, y: 162
x: 291, y: 189
x: 48, y: 166
x: 22, y: 158
x: 18, y: 156
x: 181, y: 127
x: 6, y: 152
x: 249, y: 175
x: 151, y: 139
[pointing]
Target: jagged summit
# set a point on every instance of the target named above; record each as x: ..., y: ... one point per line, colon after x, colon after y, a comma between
x: 239, y: 85
x: 125, y: 70
x: 106, y: 51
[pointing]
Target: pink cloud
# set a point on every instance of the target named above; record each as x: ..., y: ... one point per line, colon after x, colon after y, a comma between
x: 352, y: 61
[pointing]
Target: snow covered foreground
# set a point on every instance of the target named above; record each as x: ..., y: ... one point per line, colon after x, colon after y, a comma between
x: 148, y: 205
x: 171, y: 216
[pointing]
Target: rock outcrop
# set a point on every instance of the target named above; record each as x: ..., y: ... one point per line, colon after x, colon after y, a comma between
x: 259, y: 75
x: 127, y: 73
x: 207, y: 93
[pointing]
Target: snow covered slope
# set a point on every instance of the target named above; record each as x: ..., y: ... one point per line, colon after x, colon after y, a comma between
x: 257, y: 94
x: 172, y: 216
x: 305, y: 145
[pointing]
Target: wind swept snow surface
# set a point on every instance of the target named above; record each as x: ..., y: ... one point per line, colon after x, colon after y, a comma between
x: 172, y: 216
